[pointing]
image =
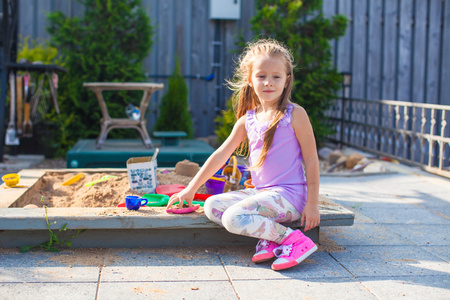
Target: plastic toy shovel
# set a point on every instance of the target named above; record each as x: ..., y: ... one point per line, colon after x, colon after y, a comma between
x: 74, y: 179
x: 106, y: 177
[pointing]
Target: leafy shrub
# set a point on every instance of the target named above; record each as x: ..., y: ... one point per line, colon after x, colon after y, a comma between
x: 34, y: 50
x: 301, y: 26
x: 107, y: 44
x: 174, y: 114
x: 226, y: 121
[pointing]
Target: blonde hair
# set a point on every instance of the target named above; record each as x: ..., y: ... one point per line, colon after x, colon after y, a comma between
x: 244, y: 97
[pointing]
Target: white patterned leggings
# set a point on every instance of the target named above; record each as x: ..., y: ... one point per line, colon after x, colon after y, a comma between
x: 252, y: 213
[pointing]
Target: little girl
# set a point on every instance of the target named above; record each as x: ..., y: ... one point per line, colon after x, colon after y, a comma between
x: 280, y: 141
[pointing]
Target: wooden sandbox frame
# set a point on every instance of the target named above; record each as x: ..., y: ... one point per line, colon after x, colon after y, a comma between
x: 108, y: 228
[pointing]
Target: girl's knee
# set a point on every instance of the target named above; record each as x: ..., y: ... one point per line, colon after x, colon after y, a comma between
x: 230, y: 219
x: 212, y: 210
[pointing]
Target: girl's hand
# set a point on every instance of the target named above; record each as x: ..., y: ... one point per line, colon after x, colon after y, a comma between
x: 310, y: 217
x: 184, y: 195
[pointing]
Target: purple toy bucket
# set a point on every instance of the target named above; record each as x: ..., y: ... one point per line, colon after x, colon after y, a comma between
x: 245, y: 173
x: 215, y: 184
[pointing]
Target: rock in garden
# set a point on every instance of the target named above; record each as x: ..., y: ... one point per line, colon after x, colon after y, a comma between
x: 186, y: 168
x: 341, y: 159
x: 353, y: 160
x: 324, y: 152
x: 334, y: 156
x: 375, y: 167
x: 31, y: 206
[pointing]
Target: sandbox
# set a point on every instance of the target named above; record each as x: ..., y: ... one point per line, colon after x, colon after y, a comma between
x: 110, y: 226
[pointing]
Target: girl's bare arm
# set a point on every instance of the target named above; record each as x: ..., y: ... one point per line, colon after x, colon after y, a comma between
x: 212, y: 164
x: 305, y: 136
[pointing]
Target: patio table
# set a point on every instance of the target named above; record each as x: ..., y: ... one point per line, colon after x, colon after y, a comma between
x: 108, y: 123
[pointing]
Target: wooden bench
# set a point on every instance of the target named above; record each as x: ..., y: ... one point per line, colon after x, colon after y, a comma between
x: 169, y: 138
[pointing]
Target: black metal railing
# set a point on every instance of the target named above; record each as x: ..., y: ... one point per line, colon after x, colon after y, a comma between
x: 413, y: 133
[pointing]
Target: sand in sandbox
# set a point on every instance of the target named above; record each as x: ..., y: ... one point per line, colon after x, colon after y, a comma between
x: 108, y: 193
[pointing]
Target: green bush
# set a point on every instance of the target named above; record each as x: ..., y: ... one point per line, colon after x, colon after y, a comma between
x: 225, y: 122
x: 174, y: 114
x: 37, y: 50
x: 301, y: 26
x: 107, y: 44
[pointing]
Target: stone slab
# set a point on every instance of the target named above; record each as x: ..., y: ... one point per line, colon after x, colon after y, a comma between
x: 414, y: 187
x: 31, y: 267
x: 403, y: 215
x: 382, y: 261
x: 169, y: 265
x: 318, y: 288
x: 362, y: 234
x: 409, y: 287
x: 15, y: 163
x: 424, y: 235
x: 27, y: 177
x: 378, y: 200
x: 443, y: 252
x: 49, y: 274
x: 188, y: 290
x: 48, y: 290
x: 318, y: 265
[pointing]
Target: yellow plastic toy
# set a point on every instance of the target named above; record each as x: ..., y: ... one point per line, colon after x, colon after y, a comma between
x: 73, y: 179
x: 11, y: 179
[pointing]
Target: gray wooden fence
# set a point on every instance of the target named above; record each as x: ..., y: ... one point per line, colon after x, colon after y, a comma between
x: 394, y: 49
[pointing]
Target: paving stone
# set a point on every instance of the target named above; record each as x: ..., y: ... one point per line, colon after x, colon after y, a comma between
x: 434, y: 198
x: 49, y: 274
x: 382, y: 261
x: 360, y: 218
x: 196, y: 290
x: 423, y: 235
x: 313, y: 288
x: 319, y: 265
x: 436, y: 202
x: 442, y: 252
x: 402, y: 215
x: 170, y: 264
x: 362, y: 234
x: 409, y: 287
x: 43, y: 267
x: 411, y: 186
x: 344, y: 185
x: 54, y: 290
x: 375, y: 199
x: 164, y: 273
